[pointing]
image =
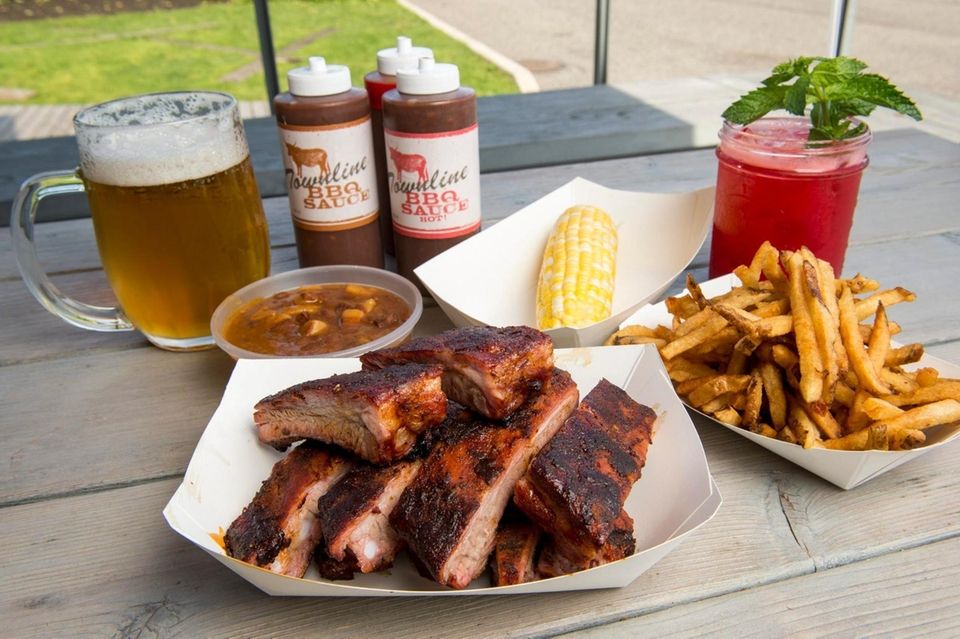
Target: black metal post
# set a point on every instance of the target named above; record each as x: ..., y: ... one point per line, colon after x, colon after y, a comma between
x: 600, y: 42
x: 267, y: 57
x: 841, y: 9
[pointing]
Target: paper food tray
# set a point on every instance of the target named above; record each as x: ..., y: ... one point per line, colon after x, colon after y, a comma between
x: 675, y: 496
x: 491, y: 278
x: 844, y: 468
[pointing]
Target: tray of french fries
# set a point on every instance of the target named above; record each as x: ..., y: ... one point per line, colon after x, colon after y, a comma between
x: 803, y: 363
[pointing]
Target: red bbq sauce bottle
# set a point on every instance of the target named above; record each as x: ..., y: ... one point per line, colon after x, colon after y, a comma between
x: 327, y: 145
x: 433, y: 162
x: 403, y: 56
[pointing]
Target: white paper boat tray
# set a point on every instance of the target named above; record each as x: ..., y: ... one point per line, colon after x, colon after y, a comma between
x: 491, y: 278
x: 675, y: 496
x: 844, y: 468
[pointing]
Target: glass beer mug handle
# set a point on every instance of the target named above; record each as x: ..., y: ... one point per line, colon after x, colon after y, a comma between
x: 35, y: 189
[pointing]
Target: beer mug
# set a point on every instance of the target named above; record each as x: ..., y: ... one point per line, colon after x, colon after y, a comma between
x: 176, y: 212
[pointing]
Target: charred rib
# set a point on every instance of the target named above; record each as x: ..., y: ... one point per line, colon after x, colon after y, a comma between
x: 490, y: 370
x: 375, y: 414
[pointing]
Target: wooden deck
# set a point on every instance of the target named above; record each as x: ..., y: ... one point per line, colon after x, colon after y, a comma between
x: 97, y: 430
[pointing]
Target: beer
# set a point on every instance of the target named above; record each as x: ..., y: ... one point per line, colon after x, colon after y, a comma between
x: 173, y: 252
x: 176, y: 211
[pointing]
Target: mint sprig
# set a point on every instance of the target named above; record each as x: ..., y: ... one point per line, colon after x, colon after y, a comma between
x: 835, y: 90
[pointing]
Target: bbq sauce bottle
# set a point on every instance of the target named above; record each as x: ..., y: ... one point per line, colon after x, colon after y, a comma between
x: 403, y: 56
x: 327, y: 146
x: 433, y: 162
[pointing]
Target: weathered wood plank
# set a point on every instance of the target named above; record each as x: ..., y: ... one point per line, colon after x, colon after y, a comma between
x: 908, y: 594
x: 79, y: 423
x: 576, y: 125
x: 927, y: 266
x: 836, y: 527
x: 949, y: 351
x: 29, y: 332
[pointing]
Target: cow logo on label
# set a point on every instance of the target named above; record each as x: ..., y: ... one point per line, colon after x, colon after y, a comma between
x: 409, y: 162
x: 308, y: 157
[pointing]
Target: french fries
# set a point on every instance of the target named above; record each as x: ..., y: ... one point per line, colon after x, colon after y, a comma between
x: 795, y: 354
x: 811, y: 364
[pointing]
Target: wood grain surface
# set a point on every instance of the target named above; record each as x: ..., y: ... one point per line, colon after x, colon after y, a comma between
x: 909, y: 594
x: 97, y: 430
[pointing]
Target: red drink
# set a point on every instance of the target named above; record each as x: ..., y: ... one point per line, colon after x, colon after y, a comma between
x: 774, y: 185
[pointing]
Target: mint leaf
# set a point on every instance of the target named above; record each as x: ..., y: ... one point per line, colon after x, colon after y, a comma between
x: 817, y: 134
x: 835, y: 88
x: 795, y: 67
x: 778, y: 78
x: 833, y: 70
x: 755, y: 105
x: 877, y: 90
x: 795, y: 100
x: 852, y: 107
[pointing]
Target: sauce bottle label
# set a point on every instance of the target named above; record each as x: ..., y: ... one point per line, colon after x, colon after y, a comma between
x: 434, y: 181
x: 330, y: 175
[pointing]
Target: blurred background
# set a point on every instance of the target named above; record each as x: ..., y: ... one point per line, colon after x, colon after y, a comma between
x: 57, y: 55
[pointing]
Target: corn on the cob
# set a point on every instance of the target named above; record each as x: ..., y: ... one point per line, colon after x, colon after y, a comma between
x: 576, y: 278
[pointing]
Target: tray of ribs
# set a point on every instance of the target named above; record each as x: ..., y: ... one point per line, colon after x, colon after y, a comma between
x: 477, y: 461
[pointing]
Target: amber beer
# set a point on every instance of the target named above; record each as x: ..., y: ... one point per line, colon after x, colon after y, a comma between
x: 176, y: 211
x: 173, y: 252
x: 177, y: 215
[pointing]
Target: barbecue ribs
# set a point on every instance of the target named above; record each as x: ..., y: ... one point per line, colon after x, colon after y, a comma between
x: 279, y: 529
x: 448, y: 515
x: 330, y: 568
x: 375, y: 414
x: 553, y: 561
x: 514, y: 552
x: 490, y: 370
x: 576, y: 486
x: 353, y: 515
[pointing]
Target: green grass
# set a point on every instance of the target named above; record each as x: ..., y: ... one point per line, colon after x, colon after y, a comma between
x: 89, y: 59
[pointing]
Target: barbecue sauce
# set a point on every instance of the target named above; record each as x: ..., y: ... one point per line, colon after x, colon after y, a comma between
x: 433, y: 162
x: 327, y: 146
x: 403, y: 56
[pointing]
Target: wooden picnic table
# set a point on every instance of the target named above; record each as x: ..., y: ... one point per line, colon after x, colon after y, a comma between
x: 97, y: 430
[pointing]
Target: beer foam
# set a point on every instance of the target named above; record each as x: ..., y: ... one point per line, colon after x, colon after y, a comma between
x: 162, y: 138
